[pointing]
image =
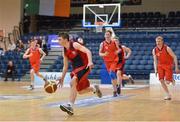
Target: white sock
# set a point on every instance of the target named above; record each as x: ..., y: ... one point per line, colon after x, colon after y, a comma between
x: 168, y: 95
x: 94, y: 90
x: 71, y: 104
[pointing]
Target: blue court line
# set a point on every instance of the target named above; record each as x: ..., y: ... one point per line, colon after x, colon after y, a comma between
x: 90, y: 101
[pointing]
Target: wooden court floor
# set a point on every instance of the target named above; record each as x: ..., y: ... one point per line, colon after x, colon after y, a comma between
x: 17, y: 103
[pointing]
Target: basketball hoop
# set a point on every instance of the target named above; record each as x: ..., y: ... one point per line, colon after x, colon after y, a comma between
x: 99, y: 26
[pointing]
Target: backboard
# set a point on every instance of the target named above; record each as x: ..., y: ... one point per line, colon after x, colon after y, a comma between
x: 106, y: 14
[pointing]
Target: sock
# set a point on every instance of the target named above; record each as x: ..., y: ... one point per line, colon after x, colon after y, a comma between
x: 167, y: 94
x: 71, y: 104
x: 94, y: 90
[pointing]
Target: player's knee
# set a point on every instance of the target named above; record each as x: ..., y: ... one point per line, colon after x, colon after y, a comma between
x: 73, y: 82
x: 32, y: 71
x: 112, y: 75
x: 119, y: 73
x: 80, y: 92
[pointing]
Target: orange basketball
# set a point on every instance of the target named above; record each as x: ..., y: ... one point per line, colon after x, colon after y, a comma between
x: 50, y: 87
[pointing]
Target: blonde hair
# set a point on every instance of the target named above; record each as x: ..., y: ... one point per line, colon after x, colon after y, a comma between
x: 159, y: 37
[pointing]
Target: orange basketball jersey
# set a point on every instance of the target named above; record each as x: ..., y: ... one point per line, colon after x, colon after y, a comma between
x: 163, y: 56
x: 35, y: 58
x: 111, y: 49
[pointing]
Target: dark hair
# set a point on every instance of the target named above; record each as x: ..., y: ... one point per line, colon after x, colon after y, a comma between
x: 32, y: 40
x: 109, y: 31
x: 64, y: 35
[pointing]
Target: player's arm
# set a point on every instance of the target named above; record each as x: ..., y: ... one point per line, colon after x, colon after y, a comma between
x: 101, y: 53
x: 171, y: 53
x: 117, y: 46
x: 78, y: 46
x: 26, y: 54
x: 127, y: 52
x: 155, y: 61
x: 43, y: 54
x: 65, y: 66
x: 64, y: 71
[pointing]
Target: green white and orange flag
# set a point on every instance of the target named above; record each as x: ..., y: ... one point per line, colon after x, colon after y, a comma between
x: 48, y: 7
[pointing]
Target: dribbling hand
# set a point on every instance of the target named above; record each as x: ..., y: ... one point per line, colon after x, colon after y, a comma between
x: 156, y: 73
x: 60, y: 82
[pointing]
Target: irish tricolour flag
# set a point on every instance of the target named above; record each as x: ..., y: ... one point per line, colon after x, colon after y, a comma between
x: 47, y: 7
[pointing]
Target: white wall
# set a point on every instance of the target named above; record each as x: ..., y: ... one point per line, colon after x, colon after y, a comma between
x: 10, y: 14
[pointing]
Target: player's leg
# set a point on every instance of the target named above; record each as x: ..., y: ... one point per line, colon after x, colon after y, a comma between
x: 169, y: 75
x: 128, y: 77
x: 73, y: 94
x: 41, y: 76
x: 119, y: 79
x: 114, y: 82
x: 161, y: 74
x: 96, y: 90
x: 83, y: 84
x: 113, y: 76
x: 32, y: 79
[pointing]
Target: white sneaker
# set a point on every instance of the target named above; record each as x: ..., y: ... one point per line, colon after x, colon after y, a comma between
x: 168, y: 97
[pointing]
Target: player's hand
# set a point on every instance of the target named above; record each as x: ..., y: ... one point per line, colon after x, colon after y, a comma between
x: 177, y: 70
x: 106, y: 53
x: 60, y: 82
x: 156, y: 73
x: 41, y: 60
x: 29, y: 55
x: 126, y: 57
x: 90, y: 65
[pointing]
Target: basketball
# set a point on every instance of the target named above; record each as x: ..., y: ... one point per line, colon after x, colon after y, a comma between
x: 50, y: 87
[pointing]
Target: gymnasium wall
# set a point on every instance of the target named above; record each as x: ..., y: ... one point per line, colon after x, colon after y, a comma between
x: 10, y: 14
x: 163, y: 6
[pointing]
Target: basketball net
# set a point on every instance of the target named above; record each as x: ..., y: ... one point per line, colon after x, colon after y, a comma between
x: 99, y: 26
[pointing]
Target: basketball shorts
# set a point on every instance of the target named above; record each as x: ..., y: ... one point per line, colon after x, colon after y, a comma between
x: 82, y: 75
x: 165, y: 72
x: 35, y: 67
x: 111, y: 66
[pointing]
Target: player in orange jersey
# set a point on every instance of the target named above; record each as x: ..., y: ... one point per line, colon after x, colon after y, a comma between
x: 164, y: 59
x: 109, y: 52
x: 123, y: 55
x: 34, y: 54
x: 81, y: 61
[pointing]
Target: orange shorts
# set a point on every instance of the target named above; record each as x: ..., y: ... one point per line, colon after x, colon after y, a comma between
x: 111, y: 66
x: 82, y: 75
x: 165, y: 72
x: 35, y: 67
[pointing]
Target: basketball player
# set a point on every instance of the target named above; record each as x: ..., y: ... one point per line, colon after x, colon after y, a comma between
x: 81, y: 60
x: 123, y: 55
x: 164, y: 58
x: 34, y: 54
x: 108, y: 50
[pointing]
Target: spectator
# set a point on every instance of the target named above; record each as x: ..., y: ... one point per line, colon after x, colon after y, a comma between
x: 1, y: 50
x: 44, y: 46
x: 20, y: 46
x: 11, y: 46
x: 10, y: 71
